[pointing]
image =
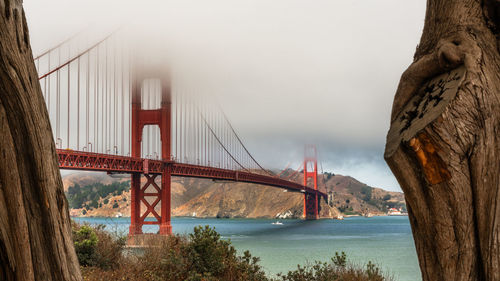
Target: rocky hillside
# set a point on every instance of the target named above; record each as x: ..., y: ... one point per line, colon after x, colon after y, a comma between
x: 207, y: 198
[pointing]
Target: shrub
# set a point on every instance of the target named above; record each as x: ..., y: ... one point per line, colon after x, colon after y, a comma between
x: 203, y: 256
x: 337, y: 270
x: 85, y: 240
x: 115, y: 205
x: 340, y: 260
x: 96, y: 247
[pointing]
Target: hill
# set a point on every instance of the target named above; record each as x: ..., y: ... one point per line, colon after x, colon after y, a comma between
x: 102, y: 195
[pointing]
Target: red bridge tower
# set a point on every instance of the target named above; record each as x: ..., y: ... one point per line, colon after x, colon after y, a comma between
x: 150, y: 194
x: 310, y: 199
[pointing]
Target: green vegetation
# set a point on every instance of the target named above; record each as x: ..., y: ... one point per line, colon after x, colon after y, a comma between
x: 346, y: 209
x: 85, y: 240
x: 334, y: 271
x: 88, y: 196
x: 397, y: 205
x: 329, y: 175
x: 367, y: 191
x: 96, y: 247
x: 201, y: 255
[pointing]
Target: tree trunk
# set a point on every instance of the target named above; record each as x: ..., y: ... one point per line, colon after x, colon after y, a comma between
x: 35, y: 231
x: 443, y: 144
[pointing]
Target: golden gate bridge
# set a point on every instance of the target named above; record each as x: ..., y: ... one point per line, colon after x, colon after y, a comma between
x: 112, y: 113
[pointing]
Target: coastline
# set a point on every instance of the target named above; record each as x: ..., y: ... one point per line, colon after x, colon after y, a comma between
x: 249, y: 218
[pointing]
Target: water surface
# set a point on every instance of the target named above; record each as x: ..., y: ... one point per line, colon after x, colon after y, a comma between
x: 386, y: 241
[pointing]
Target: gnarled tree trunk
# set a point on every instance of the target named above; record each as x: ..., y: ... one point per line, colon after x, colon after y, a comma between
x: 35, y: 231
x: 443, y: 144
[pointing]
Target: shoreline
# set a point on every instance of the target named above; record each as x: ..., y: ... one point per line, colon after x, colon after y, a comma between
x: 246, y: 218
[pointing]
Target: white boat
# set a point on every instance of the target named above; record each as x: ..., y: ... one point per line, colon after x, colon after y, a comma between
x: 277, y: 223
x: 118, y: 215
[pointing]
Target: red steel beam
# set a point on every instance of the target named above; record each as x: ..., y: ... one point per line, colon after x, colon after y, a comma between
x: 81, y: 160
x: 89, y: 161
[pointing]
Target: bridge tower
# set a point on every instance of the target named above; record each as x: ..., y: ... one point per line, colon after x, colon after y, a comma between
x: 311, y: 171
x: 149, y: 193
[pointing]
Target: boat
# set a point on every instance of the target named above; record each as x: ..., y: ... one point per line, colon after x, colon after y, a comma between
x: 277, y: 223
x: 118, y: 215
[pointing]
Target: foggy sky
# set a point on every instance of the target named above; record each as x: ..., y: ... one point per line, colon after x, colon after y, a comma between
x: 285, y: 72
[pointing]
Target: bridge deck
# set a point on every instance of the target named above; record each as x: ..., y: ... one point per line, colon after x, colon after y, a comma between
x: 81, y: 160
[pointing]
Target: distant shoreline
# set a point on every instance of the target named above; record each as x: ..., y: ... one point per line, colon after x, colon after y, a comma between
x: 263, y: 218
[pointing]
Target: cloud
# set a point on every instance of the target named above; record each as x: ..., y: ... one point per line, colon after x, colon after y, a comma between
x: 286, y: 72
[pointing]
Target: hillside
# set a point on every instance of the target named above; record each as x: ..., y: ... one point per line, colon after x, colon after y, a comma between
x: 207, y: 198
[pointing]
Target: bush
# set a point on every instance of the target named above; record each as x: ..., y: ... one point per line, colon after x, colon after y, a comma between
x: 85, y: 240
x: 96, y: 247
x: 336, y: 270
x: 340, y: 260
x: 203, y: 256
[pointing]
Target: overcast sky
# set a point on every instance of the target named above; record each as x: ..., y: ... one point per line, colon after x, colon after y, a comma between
x: 285, y: 72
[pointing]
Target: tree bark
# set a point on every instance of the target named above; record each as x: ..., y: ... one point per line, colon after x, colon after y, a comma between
x: 35, y: 231
x: 443, y: 144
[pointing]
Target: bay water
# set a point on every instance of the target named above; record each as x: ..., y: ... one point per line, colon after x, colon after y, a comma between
x: 386, y: 241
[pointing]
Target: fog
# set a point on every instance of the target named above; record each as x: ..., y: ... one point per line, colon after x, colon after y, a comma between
x: 286, y: 73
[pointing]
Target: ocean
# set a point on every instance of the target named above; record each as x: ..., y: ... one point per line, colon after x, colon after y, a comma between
x: 387, y: 241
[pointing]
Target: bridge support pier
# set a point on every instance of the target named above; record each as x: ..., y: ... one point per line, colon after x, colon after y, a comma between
x: 311, y: 206
x: 150, y: 195
x: 135, y: 205
x: 166, y: 180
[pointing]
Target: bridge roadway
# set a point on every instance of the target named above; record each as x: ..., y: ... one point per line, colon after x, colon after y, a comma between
x: 88, y: 161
